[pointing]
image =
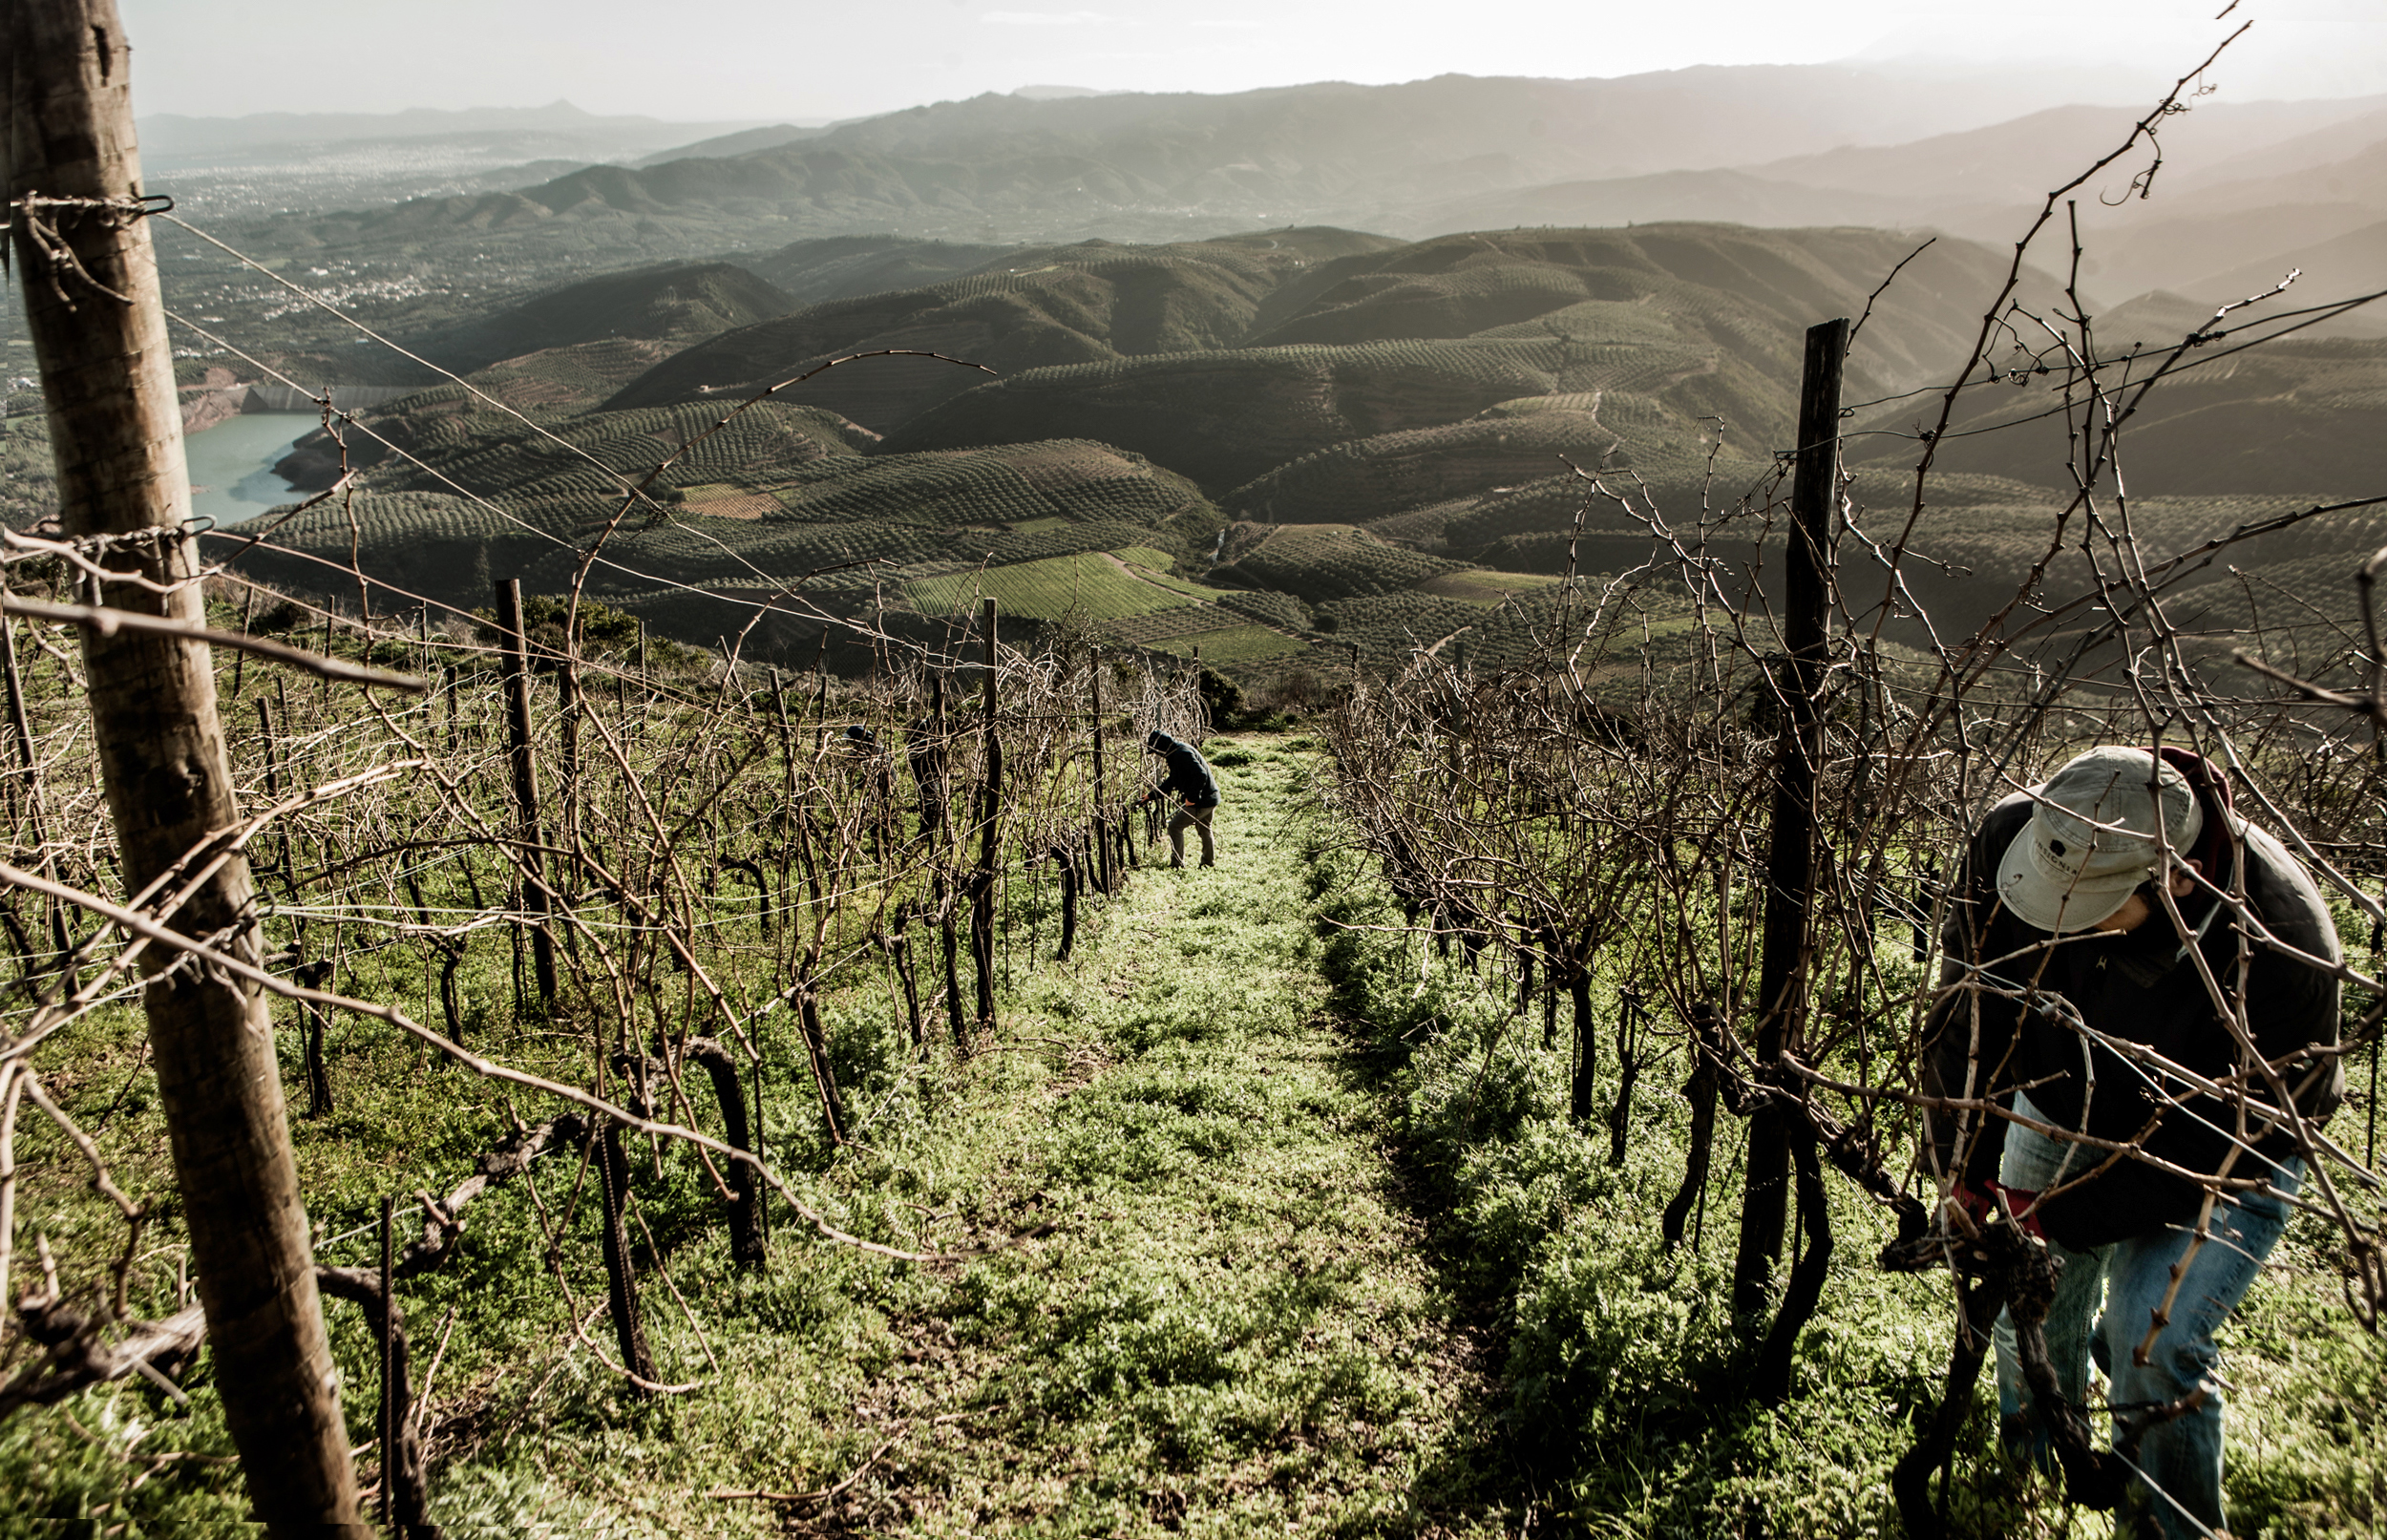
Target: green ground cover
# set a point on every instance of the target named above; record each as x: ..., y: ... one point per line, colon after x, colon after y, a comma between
x: 1145, y: 555
x: 1089, y: 584
x: 1236, y: 643
x: 1268, y: 1220
x: 1621, y: 1373
x: 1192, y: 1297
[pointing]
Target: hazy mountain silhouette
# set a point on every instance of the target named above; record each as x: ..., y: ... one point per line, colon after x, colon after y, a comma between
x: 1161, y: 166
x: 1847, y: 145
x: 175, y: 136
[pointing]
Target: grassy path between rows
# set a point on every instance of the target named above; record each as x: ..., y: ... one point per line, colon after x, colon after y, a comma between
x: 1229, y: 1327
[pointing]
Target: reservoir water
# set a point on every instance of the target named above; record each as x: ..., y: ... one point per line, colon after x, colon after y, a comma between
x: 232, y: 464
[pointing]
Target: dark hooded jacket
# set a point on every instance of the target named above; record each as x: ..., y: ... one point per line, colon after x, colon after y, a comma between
x: 1189, y: 772
x: 2140, y: 986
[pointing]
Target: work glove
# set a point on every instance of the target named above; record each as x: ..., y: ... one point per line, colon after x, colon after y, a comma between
x: 1984, y: 1202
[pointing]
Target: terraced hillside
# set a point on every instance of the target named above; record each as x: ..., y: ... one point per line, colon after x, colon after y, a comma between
x: 1363, y: 479
x: 778, y: 503
x: 1284, y: 445
x: 448, y: 439
x: 841, y: 266
x: 682, y: 302
x: 2294, y: 415
x: 1230, y: 417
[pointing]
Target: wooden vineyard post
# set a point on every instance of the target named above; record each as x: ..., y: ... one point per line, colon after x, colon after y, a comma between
x: 1101, y: 847
x: 386, y: 1336
x: 989, y: 814
x: 935, y: 812
x: 99, y: 338
x: 1585, y: 1071
x: 534, y: 866
x: 21, y: 736
x: 1790, y: 855
x: 20, y: 730
x: 568, y: 723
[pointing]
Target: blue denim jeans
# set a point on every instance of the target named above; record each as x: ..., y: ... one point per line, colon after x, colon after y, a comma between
x: 2179, y: 1459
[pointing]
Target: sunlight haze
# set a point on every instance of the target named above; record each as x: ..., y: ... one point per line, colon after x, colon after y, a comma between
x: 816, y: 62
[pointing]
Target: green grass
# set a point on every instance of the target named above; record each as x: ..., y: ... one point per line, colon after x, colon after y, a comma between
x: 1621, y: 1372
x: 1485, y: 587
x: 1192, y: 1297
x: 1236, y: 643
x: 1089, y: 584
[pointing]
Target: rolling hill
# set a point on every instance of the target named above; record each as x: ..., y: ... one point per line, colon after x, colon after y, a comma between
x: 1703, y: 321
x: 672, y: 302
x: 1034, y: 308
x: 1279, y: 446
x: 2293, y: 416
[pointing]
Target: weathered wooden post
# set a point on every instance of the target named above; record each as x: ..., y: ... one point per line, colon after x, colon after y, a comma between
x: 533, y: 865
x: 392, y: 1410
x: 1790, y: 856
x: 1101, y: 847
x: 36, y: 821
x: 990, y: 815
x: 99, y: 338
x: 568, y: 705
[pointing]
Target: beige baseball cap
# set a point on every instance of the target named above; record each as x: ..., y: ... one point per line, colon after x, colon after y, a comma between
x: 2091, y: 838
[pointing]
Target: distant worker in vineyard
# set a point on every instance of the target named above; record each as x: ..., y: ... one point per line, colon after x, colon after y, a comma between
x: 2059, y: 947
x: 1189, y: 781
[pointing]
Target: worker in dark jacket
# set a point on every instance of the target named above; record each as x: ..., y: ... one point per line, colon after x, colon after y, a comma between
x: 2072, y: 1000
x: 1189, y: 780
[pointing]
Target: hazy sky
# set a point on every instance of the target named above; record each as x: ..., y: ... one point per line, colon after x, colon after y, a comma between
x: 779, y: 59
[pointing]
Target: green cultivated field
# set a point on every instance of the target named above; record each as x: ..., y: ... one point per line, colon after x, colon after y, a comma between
x: 1091, y: 585
x: 1236, y: 643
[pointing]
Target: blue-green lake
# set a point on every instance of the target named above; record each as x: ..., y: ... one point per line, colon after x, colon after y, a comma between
x: 232, y: 464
